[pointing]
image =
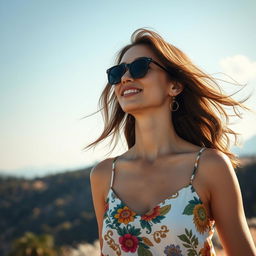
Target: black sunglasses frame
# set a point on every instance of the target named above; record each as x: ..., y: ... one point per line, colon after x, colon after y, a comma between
x: 126, y: 66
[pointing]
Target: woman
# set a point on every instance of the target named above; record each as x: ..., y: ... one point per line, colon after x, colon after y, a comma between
x: 176, y: 182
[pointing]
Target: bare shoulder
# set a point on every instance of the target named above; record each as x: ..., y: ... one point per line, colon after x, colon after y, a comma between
x: 218, y: 165
x: 214, y: 154
x: 100, y: 174
x: 218, y: 171
x: 100, y: 168
x: 222, y: 181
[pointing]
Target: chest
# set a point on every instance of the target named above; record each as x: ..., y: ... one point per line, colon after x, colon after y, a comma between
x: 141, y: 187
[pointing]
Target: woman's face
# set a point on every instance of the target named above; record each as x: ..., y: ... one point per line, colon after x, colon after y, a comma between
x: 155, y: 84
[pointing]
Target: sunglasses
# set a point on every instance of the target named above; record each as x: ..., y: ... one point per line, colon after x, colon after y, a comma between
x: 138, y: 69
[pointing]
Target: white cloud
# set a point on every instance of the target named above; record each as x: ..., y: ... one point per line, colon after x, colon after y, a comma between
x: 239, y: 67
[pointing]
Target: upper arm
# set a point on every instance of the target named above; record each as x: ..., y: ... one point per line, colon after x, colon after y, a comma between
x: 98, y: 180
x: 227, y: 206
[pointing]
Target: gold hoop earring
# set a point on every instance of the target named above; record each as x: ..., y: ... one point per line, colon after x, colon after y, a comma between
x: 174, y: 102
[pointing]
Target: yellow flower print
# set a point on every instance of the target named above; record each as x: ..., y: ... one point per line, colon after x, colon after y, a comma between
x: 201, y: 219
x: 125, y: 215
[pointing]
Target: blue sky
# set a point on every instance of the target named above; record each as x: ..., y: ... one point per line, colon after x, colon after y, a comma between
x: 53, y: 60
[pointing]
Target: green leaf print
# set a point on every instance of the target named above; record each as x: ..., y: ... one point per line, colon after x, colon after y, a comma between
x: 158, y: 219
x: 120, y: 231
x: 194, y: 240
x: 196, y: 200
x: 184, y: 238
x: 186, y: 245
x: 133, y: 231
x: 190, y: 207
x: 189, y: 234
x: 142, y: 251
x: 146, y: 224
x: 129, y: 229
x: 190, y: 243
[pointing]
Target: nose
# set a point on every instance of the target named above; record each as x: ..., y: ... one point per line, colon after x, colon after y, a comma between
x: 126, y: 77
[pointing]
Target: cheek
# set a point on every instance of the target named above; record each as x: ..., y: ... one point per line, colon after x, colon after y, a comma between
x: 153, y: 95
x: 155, y: 88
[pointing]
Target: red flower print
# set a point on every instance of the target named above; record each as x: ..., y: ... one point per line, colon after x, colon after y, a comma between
x: 151, y: 214
x: 129, y: 243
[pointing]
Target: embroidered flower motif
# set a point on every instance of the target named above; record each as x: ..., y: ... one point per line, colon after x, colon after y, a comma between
x: 129, y: 243
x: 200, y: 218
x: 152, y: 214
x: 125, y: 215
x: 172, y: 250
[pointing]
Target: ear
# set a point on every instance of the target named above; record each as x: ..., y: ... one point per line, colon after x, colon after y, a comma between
x: 175, y: 88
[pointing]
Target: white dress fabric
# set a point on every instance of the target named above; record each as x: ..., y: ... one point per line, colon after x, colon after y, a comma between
x: 177, y: 226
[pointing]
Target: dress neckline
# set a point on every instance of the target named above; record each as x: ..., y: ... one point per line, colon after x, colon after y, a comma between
x: 170, y: 197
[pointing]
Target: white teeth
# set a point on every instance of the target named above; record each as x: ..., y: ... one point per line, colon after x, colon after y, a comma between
x: 130, y: 91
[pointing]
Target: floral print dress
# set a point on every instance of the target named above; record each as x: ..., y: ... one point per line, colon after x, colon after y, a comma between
x: 177, y: 226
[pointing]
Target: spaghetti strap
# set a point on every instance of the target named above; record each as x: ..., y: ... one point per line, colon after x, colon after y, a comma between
x: 113, y: 171
x: 196, y: 164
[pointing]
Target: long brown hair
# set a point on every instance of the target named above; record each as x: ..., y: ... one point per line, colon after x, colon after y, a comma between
x: 200, y: 118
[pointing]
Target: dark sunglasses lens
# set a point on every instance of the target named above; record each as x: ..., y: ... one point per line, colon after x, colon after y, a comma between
x: 115, y: 74
x: 139, y: 68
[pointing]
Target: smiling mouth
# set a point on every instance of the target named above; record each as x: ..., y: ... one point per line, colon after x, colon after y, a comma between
x: 131, y: 92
